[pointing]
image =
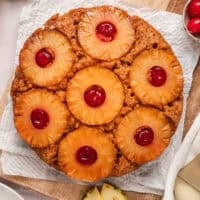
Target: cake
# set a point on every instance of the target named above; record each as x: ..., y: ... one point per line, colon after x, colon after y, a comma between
x: 97, y: 93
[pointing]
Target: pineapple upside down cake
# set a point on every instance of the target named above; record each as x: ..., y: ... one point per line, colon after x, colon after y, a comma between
x: 97, y: 93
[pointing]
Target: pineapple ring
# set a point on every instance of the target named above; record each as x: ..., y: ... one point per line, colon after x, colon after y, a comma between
x: 95, y: 76
x: 63, y: 57
x: 125, y: 134
x: 85, y: 136
x: 145, y: 91
x: 57, y: 112
x: 97, y: 48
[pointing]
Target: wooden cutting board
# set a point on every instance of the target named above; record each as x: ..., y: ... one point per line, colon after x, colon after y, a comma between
x: 63, y: 191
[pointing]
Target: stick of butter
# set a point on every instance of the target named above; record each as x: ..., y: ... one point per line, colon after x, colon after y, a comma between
x: 188, y: 181
x: 184, y: 191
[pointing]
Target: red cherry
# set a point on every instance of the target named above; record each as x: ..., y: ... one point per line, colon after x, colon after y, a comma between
x: 86, y: 155
x: 43, y: 58
x: 194, y: 9
x: 106, y: 31
x: 157, y: 76
x: 39, y: 118
x: 144, y: 135
x: 95, y: 96
x: 194, y: 26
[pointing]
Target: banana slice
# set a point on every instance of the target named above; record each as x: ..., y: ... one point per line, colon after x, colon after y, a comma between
x: 93, y: 194
x: 108, y: 192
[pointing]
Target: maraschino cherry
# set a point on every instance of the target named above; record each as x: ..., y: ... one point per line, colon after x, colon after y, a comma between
x: 106, y: 31
x: 86, y: 155
x: 39, y: 118
x: 144, y: 135
x: 194, y: 26
x: 95, y: 96
x: 43, y: 58
x: 157, y: 76
x: 194, y: 9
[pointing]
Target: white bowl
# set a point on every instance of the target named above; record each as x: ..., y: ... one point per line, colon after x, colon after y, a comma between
x: 6, y: 193
x: 185, y: 21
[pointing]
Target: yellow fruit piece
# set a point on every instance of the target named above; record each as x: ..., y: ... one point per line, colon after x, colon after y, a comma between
x: 143, y: 116
x: 108, y: 192
x: 120, y: 45
x: 93, y: 194
x: 85, y: 136
x: 56, y: 110
x: 114, y: 95
x: 61, y: 51
x: 144, y: 90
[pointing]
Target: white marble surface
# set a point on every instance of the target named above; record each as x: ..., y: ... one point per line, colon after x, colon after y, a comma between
x: 9, y: 16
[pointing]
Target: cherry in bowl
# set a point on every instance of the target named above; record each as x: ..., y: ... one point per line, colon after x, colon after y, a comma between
x: 191, y: 20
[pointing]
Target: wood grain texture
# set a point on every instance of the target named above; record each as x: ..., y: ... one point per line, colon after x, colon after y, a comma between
x: 193, y: 104
x: 63, y: 191
x: 155, y: 4
x: 176, y: 6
